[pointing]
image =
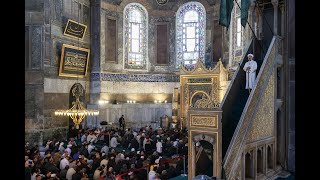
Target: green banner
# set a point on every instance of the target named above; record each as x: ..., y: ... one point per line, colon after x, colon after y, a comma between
x: 225, y: 12
x: 244, y: 12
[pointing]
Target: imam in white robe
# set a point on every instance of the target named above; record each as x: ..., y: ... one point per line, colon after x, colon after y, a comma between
x: 250, y: 74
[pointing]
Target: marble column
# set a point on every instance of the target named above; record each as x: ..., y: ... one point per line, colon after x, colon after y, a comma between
x: 275, y: 4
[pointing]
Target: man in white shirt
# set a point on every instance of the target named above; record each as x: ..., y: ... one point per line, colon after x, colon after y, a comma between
x: 114, y: 142
x: 70, y: 172
x: 64, y: 162
x: 91, y: 137
x: 152, y: 173
x: 105, y: 149
x: 84, y: 137
x: 69, y: 149
x: 159, y: 146
x: 90, y: 147
x: 250, y: 68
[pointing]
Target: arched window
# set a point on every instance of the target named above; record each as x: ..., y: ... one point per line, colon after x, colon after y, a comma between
x: 135, y: 26
x: 190, y: 33
x: 236, y: 37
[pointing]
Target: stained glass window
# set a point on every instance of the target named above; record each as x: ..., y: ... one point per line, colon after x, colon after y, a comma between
x: 236, y: 36
x: 190, y: 33
x: 135, y: 25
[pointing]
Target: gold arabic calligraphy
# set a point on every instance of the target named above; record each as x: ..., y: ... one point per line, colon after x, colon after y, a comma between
x: 75, y: 60
x: 75, y: 31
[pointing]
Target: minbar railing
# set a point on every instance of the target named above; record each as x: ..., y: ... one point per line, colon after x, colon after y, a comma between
x: 233, y: 155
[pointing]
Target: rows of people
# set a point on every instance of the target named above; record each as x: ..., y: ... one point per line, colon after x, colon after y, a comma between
x: 101, y: 153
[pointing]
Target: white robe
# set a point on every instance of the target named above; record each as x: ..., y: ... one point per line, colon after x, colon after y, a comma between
x: 251, y: 74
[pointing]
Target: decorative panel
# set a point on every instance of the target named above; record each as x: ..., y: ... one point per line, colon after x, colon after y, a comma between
x: 36, y: 51
x: 202, y: 121
x: 111, y: 40
x: 263, y: 122
x: 162, y: 44
x: 135, y: 77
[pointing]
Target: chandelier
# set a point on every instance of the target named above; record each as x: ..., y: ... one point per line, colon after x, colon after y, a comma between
x: 77, y: 112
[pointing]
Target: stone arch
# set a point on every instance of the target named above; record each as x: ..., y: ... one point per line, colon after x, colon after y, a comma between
x: 249, y: 165
x: 145, y: 3
x: 270, y: 156
x: 208, y: 158
x: 197, y: 95
x: 205, y: 137
x: 260, y: 160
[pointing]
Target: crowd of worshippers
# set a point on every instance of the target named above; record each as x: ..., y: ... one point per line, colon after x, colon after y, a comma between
x: 101, y: 154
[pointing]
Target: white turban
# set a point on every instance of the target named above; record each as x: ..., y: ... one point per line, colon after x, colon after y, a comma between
x: 250, y: 55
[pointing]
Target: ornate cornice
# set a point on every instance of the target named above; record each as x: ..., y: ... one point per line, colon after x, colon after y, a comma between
x: 135, y: 77
x: 200, y: 68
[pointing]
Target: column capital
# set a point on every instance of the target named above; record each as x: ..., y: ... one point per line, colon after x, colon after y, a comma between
x: 281, y: 6
x: 275, y: 3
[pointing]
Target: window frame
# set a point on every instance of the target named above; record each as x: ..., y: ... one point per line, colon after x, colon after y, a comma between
x: 181, y: 33
x: 127, y: 37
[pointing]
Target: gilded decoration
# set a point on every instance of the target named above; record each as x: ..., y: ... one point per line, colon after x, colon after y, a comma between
x: 200, y: 68
x: 205, y: 103
x: 235, y: 148
x: 263, y: 122
x: 204, y: 121
x: 200, y: 79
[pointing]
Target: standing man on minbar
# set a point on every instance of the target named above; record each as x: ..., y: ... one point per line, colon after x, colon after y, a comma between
x: 250, y: 68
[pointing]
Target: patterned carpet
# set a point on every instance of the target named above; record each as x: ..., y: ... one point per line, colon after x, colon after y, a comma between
x: 291, y: 177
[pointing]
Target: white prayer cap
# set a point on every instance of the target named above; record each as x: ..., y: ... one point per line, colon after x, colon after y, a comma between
x: 250, y: 55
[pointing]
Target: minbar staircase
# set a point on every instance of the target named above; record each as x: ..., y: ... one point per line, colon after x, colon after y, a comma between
x: 239, y: 109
